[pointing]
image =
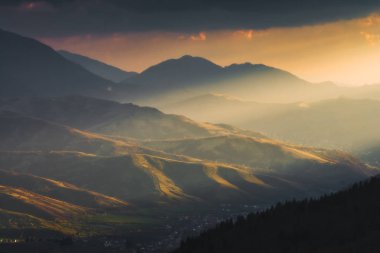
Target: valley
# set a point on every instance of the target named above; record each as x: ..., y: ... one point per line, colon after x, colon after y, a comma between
x: 97, y: 159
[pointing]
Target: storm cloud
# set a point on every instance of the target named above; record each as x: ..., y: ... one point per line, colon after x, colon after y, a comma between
x: 76, y: 17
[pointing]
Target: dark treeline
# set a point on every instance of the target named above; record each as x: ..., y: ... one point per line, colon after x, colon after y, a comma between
x: 347, y: 221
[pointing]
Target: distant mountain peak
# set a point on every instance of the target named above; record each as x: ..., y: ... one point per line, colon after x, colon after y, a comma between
x: 186, y: 59
x: 193, y: 58
x: 248, y: 66
x: 178, y: 72
x: 188, y: 56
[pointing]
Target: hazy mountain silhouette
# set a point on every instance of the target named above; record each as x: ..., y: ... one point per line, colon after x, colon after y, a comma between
x: 214, y: 108
x: 189, y: 76
x: 96, y: 67
x: 32, y: 68
x: 342, y: 123
x: 28, y: 67
x: 177, y: 73
x: 346, y: 221
x: 370, y: 153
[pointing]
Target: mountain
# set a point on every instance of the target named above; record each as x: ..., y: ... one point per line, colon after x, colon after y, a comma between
x: 23, y: 133
x: 115, y: 167
x: 185, y: 170
x: 98, y: 68
x: 237, y: 168
x: 90, y: 167
x: 191, y: 76
x: 28, y: 67
x: 370, y: 154
x: 177, y: 73
x: 342, y: 123
x: 39, y: 204
x: 53, y: 190
x: 346, y: 221
x: 143, y: 179
x: 113, y: 118
x: 366, y: 92
x: 307, y: 167
x: 215, y: 108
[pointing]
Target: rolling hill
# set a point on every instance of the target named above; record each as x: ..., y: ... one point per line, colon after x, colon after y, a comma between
x: 218, y: 108
x: 236, y: 165
x: 342, y: 123
x: 98, y: 68
x: 115, y: 167
x: 310, y: 167
x: 61, y: 179
x: 31, y: 203
x: 58, y: 190
x: 23, y: 133
x: 370, y: 154
x: 113, y: 118
x: 143, y: 179
x: 236, y: 168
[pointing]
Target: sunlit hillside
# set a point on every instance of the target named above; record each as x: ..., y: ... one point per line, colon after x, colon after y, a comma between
x: 132, y: 126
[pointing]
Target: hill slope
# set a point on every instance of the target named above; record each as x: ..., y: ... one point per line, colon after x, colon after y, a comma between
x: 217, y: 108
x: 98, y: 68
x: 147, y: 179
x: 23, y: 133
x: 177, y: 73
x: 347, y: 221
x: 337, y: 123
x: 150, y: 179
x: 39, y: 205
x: 310, y: 167
x: 236, y: 167
x: 58, y: 190
x: 28, y: 67
x: 112, y: 118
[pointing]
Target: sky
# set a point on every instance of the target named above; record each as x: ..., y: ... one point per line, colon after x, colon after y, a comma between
x: 318, y: 40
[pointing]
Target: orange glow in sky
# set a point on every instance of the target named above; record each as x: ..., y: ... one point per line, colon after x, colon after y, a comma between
x: 346, y: 52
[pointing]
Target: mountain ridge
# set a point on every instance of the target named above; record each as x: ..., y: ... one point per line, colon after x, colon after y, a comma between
x: 190, y: 76
x: 97, y: 67
x: 29, y: 67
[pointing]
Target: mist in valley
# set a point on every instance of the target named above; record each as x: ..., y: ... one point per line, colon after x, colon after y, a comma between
x: 97, y: 158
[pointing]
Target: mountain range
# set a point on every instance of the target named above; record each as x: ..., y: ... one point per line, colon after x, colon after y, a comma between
x: 78, y: 158
x: 210, y: 164
x: 113, y: 118
x: 32, y: 68
x: 189, y: 76
x: 343, y: 123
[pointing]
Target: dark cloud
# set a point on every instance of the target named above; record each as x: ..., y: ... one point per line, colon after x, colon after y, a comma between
x: 72, y: 17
